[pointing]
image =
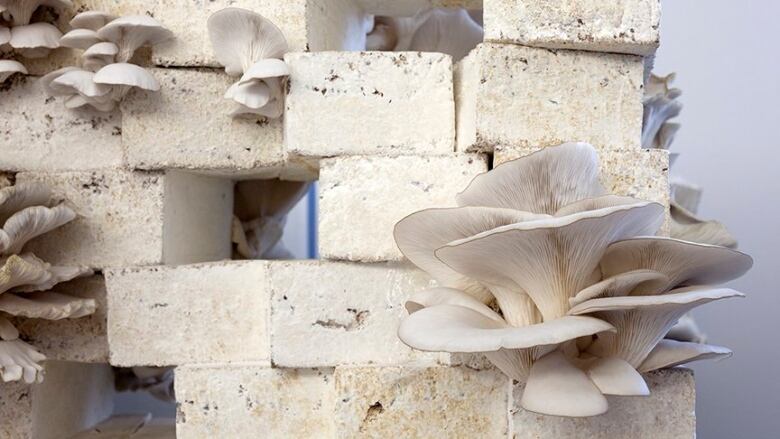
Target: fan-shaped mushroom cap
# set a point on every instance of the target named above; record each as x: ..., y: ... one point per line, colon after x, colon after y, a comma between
x: 683, y: 262
x: 686, y: 329
x: 8, y: 67
x: 265, y: 68
x: 448, y: 296
x: 46, y: 305
x: 5, y: 35
x: 450, y: 31
x: 127, y: 74
x: 556, y: 387
x: 614, y: 376
x: 542, y: 182
x: 623, y: 284
x: 670, y: 353
x: 17, y: 271
x: 35, y: 40
x: 20, y: 360
x: 550, y: 259
x: 29, y: 223
x: 42, y: 275
x: 21, y: 11
x: 99, y: 55
x: 92, y: 20
x: 7, y: 330
x: 241, y: 38
x: 79, y: 81
x: 660, y: 105
x: 48, y: 78
x: 689, y: 227
x: 22, y: 195
x: 254, y: 94
x: 80, y: 39
x: 133, y: 31
x: 421, y: 233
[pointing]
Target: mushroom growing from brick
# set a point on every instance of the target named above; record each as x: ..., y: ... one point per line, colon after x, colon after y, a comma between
x: 99, y: 55
x: 660, y: 105
x: 249, y: 45
x: 9, y: 67
x: 19, y: 12
x: 35, y: 40
x: 91, y: 20
x: 132, y: 32
x: 80, y: 39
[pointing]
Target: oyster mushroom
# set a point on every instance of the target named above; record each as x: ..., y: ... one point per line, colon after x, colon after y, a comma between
x: 124, y: 77
x: 80, y: 39
x: 660, y: 105
x: 5, y: 36
x: 9, y: 67
x: 35, y: 40
x: 91, y: 20
x: 241, y: 38
x: 19, y: 12
x: 99, y: 56
x: 132, y: 32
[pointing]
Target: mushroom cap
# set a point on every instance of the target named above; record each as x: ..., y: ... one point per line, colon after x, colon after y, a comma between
x: 8, y: 67
x: 20, y: 196
x: 20, y: 360
x: 241, y: 38
x: 29, y: 223
x: 46, y: 305
x: 5, y: 35
x: 47, y: 79
x: 35, y: 36
x: 133, y: 31
x: 92, y: 20
x: 670, y: 353
x: 689, y: 227
x: 265, y: 68
x: 80, y: 39
x: 21, y: 11
x: 101, y: 49
x: 127, y: 74
x: 81, y: 82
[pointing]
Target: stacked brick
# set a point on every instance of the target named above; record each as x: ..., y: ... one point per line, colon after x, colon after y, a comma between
x: 308, y: 348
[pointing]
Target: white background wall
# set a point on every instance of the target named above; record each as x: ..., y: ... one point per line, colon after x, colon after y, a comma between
x: 727, y: 61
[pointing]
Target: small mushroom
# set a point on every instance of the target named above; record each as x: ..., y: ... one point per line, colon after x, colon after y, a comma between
x: 81, y: 82
x: 35, y: 40
x: 20, y: 11
x: 46, y: 305
x: 8, y: 67
x: 124, y: 77
x: 80, y: 39
x: 19, y: 360
x: 5, y: 35
x: 29, y: 223
x: 91, y: 20
x: 47, y: 79
x: 132, y: 32
x: 241, y: 38
x: 99, y: 56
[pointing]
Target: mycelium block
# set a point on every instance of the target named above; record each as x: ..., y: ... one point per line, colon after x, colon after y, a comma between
x: 361, y: 199
x: 137, y: 218
x: 438, y: 402
x: 622, y: 26
x: 187, y: 125
x: 668, y: 413
x: 335, y: 313
x: 349, y: 103
x: 517, y: 96
x: 131, y: 427
x: 408, y: 8
x: 171, y: 315
x: 83, y: 339
x: 72, y: 397
x: 252, y: 400
x: 37, y: 133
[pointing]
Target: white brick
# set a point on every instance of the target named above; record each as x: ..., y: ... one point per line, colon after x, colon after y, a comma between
x: 525, y: 96
x: 72, y: 397
x: 342, y: 103
x: 250, y: 400
x: 84, y: 339
x: 441, y: 402
x: 407, y: 8
x: 38, y: 133
x: 131, y: 427
x: 668, y: 413
x: 333, y: 313
x: 171, y: 315
x: 623, y: 26
x: 361, y: 199
x: 187, y: 125
x: 135, y: 218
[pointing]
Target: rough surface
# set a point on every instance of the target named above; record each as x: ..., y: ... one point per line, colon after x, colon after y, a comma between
x: 187, y: 125
x: 342, y: 103
x: 171, y: 315
x: 37, y: 133
x: 538, y: 97
x: 361, y: 199
x: 407, y: 8
x: 623, y: 26
x: 122, y: 217
x: 633, y: 172
x: 72, y: 397
x: 335, y: 313
x: 252, y: 400
x: 668, y: 413
x: 440, y: 402
x: 84, y: 339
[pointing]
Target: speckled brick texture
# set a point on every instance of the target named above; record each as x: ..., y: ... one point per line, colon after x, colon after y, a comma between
x: 407, y: 8
x: 668, y: 413
x: 383, y: 103
x: 361, y: 199
x: 622, y: 26
x: 171, y: 315
x: 518, y: 97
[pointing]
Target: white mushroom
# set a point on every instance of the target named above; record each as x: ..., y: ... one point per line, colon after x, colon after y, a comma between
x: 670, y: 353
x: 660, y: 105
x: 35, y: 40
x: 132, y: 32
x: 91, y: 20
x: 689, y: 227
x: 46, y: 305
x: 29, y: 223
x: 46, y: 81
x: 19, y: 196
x: 21, y: 11
x: 241, y: 38
x: 99, y: 56
x: 19, y: 360
x: 124, y: 77
x: 8, y: 67
x: 80, y: 39
x: 5, y: 36
x: 79, y: 81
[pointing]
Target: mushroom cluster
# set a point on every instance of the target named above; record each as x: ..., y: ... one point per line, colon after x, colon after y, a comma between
x: 107, y: 74
x: 21, y: 37
x: 562, y: 286
x: 453, y: 31
x: 27, y: 211
x: 252, y: 47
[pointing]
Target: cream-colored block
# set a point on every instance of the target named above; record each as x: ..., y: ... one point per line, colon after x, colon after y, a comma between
x: 439, y: 402
x: 72, y: 397
x: 84, y: 339
x: 408, y: 8
x: 668, y: 413
x: 632, y: 172
x: 361, y: 199
x: 136, y: 218
x: 253, y: 401
x: 171, y: 315
x: 622, y: 26
x: 516, y: 97
x: 131, y: 427
x: 335, y: 313
x: 187, y: 125
x: 37, y: 133
x: 349, y: 103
